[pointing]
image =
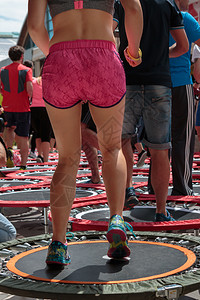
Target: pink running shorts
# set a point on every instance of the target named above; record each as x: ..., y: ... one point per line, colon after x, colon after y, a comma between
x: 83, y: 70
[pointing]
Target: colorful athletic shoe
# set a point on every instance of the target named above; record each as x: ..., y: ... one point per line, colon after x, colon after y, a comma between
x: 117, y: 238
x: 10, y: 162
x: 131, y: 199
x: 163, y: 218
x: 58, y: 254
x: 23, y: 168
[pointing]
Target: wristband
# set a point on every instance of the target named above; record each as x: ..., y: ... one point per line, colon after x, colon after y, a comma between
x: 130, y: 57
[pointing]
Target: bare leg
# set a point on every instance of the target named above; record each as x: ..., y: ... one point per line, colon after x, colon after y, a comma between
x: 109, y: 127
x: 90, y: 145
x: 23, y: 145
x: 38, y: 146
x: 128, y: 153
x: 52, y: 144
x: 9, y: 136
x: 139, y: 147
x: 160, y: 171
x: 66, y: 126
x: 45, y: 150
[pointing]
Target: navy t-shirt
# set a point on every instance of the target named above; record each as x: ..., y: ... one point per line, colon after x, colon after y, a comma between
x: 160, y: 16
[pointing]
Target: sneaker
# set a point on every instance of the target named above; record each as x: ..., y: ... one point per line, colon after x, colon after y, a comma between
x: 32, y: 155
x: 10, y: 162
x: 22, y: 168
x: 130, y: 198
x: 117, y: 238
x: 163, y: 218
x: 141, y: 158
x: 58, y: 254
x: 39, y: 159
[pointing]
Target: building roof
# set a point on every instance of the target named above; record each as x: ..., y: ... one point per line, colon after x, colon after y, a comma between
x: 7, y: 40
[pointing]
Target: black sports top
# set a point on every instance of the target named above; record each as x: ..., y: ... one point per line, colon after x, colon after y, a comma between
x: 58, y: 6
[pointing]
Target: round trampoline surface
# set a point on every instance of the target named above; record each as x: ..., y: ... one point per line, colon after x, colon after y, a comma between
x: 90, y: 265
x: 138, y: 214
x: 40, y: 194
x: 10, y: 183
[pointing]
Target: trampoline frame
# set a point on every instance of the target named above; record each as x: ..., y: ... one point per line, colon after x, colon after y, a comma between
x: 151, y: 289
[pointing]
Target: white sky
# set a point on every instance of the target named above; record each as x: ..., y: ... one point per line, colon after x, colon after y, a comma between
x: 12, y: 15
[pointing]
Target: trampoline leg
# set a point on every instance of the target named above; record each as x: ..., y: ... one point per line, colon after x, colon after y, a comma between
x: 196, y: 232
x: 172, y: 291
x: 45, y: 220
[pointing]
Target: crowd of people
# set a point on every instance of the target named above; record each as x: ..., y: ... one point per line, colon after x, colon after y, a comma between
x: 97, y: 98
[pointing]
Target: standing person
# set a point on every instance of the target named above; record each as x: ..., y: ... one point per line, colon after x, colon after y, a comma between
x: 16, y: 87
x: 149, y: 93
x: 196, y: 85
x: 83, y: 65
x: 40, y: 121
x: 183, y: 110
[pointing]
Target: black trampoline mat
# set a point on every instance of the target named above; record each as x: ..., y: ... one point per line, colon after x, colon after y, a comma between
x: 37, y: 195
x: 84, y: 171
x: 140, y: 178
x: 138, y: 214
x: 41, y: 173
x: 9, y: 183
x: 148, y: 260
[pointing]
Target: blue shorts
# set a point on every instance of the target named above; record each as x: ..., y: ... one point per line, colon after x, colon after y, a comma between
x: 21, y: 120
x: 153, y: 104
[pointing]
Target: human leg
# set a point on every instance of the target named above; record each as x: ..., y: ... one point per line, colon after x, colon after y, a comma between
x: 157, y: 121
x: 23, y: 122
x: 133, y: 112
x: 66, y: 127
x: 90, y: 151
x: 109, y: 128
x: 183, y: 136
x: 44, y: 133
x: 9, y: 136
x: 160, y: 171
x: 23, y: 145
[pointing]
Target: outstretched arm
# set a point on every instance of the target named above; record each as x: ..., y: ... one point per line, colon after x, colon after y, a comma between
x: 36, y: 27
x: 133, y: 26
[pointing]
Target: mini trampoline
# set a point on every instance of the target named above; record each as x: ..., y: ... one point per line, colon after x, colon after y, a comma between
x: 14, y: 184
x: 94, y: 214
x: 159, y: 265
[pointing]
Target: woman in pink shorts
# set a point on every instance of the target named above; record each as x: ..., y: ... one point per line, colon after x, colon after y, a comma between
x: 82, y: 65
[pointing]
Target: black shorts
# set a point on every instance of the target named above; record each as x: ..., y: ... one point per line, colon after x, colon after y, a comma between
x: 40, y: 123
x: 21, y: 120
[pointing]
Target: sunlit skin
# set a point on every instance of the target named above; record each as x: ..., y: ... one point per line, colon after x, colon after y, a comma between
x: 81, y: 24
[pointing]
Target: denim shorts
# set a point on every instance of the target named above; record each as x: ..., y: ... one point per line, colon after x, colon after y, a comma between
x: 153, y: 104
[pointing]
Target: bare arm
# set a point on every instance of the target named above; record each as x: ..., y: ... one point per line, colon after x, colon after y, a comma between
x: 133, y: 25
x: 196, y: 70
x: 29, y: 88
x: 181, y: 46
x: 36, y: 27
